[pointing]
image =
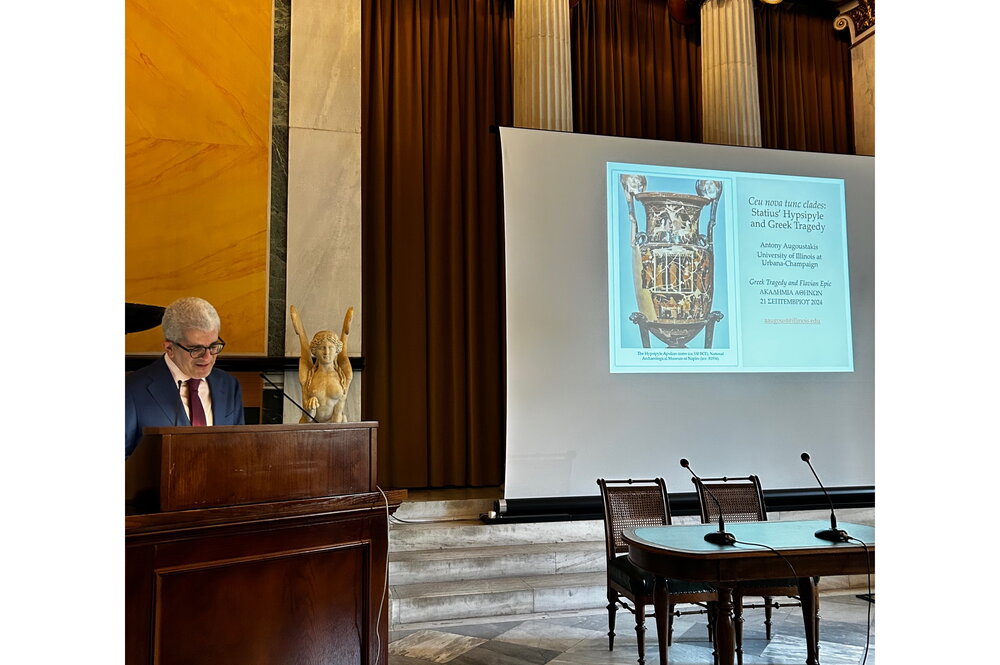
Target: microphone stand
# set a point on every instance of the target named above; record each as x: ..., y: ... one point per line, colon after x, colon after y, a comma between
x: 833, y: 534
x: 720, y: 537
x: 278, y: 388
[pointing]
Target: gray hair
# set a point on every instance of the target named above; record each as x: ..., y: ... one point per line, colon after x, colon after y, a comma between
x: 187, y: 313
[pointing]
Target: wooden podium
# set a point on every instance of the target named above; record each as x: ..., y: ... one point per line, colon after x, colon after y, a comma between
x: 256, y: 544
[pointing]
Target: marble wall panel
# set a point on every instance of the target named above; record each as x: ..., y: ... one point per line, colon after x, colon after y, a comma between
x: 279, y: 179
x: 197, y: 129
x: 326, y: 65
x: 196, y: 224
x: 324, y: 232
x: 199, y: 71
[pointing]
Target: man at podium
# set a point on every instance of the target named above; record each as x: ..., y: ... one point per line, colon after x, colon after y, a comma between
x: 183, y: 387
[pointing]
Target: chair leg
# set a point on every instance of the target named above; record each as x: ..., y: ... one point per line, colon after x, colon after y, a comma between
x: 738, y: 623
x: 612, y: 612
x: 640, y: 631
x: 768, y: 608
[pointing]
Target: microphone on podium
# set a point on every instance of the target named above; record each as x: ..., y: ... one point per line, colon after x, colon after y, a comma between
x: 278, y: 388
x: 720, y: 537
x: 833, y: 534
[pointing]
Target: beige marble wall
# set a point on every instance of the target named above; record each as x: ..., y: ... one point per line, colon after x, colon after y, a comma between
x: 324, y: 178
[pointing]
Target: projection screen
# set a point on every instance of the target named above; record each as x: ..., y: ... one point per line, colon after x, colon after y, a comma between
x: 596, y: 226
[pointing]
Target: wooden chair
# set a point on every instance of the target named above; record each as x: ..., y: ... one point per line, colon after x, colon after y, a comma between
x: 630, y: 504
x: 742, y: 500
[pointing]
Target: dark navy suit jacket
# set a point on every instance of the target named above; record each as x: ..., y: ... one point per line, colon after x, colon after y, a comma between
x: 152, y: 400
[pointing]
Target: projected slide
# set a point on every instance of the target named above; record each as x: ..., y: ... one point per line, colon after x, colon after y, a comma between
x: 724, y: 271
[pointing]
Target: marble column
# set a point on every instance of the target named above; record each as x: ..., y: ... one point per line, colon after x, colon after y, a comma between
x: 730, y: 100
x: 542, y: 69
x: 858, y: 16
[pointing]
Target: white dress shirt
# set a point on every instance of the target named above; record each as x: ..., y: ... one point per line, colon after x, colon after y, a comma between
x: 203, y: 392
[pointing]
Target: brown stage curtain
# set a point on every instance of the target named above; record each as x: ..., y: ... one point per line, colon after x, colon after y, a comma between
x: 435, y: 78
x: 636, y: 73
x: 804, y: 74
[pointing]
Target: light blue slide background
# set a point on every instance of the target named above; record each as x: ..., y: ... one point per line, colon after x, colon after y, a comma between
x: 744, y: 340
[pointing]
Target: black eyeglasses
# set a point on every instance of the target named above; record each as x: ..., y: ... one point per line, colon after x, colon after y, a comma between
x: 199, y: 351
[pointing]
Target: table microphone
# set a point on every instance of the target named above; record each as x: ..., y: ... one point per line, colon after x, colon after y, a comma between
x: 833, y: 534
x: 278, y: 388
x: 720, y: 537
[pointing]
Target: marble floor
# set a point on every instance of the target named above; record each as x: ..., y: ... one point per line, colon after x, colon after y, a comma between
x: 580, y: 638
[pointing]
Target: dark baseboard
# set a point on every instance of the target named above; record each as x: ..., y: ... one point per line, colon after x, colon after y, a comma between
x: 551, y: 509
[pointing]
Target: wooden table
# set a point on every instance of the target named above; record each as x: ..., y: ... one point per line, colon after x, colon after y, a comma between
x: 680, y: 552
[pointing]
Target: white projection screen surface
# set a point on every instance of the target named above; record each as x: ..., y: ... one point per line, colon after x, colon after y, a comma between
x: 573, y: 416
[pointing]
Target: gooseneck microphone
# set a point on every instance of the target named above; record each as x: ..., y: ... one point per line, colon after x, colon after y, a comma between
x: 833, y: 534
x: 720, y: 537
x: 278, y: 388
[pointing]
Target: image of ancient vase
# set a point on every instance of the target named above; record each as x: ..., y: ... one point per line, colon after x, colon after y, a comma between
x: 673, y: 263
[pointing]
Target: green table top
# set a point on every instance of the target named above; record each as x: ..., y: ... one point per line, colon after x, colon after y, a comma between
x: 789, y: 535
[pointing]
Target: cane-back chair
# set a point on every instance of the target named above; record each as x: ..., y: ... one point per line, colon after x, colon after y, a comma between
x: 629, y: 504
x: 742, y: 500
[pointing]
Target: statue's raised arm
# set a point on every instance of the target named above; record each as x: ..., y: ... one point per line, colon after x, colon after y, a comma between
x: 305, y: 355
x: 343, y: 360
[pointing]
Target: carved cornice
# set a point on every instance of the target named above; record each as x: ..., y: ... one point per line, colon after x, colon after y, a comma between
x: 858, y: 16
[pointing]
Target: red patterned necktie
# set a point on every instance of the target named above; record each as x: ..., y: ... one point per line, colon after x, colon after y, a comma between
x: 197, y: 410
